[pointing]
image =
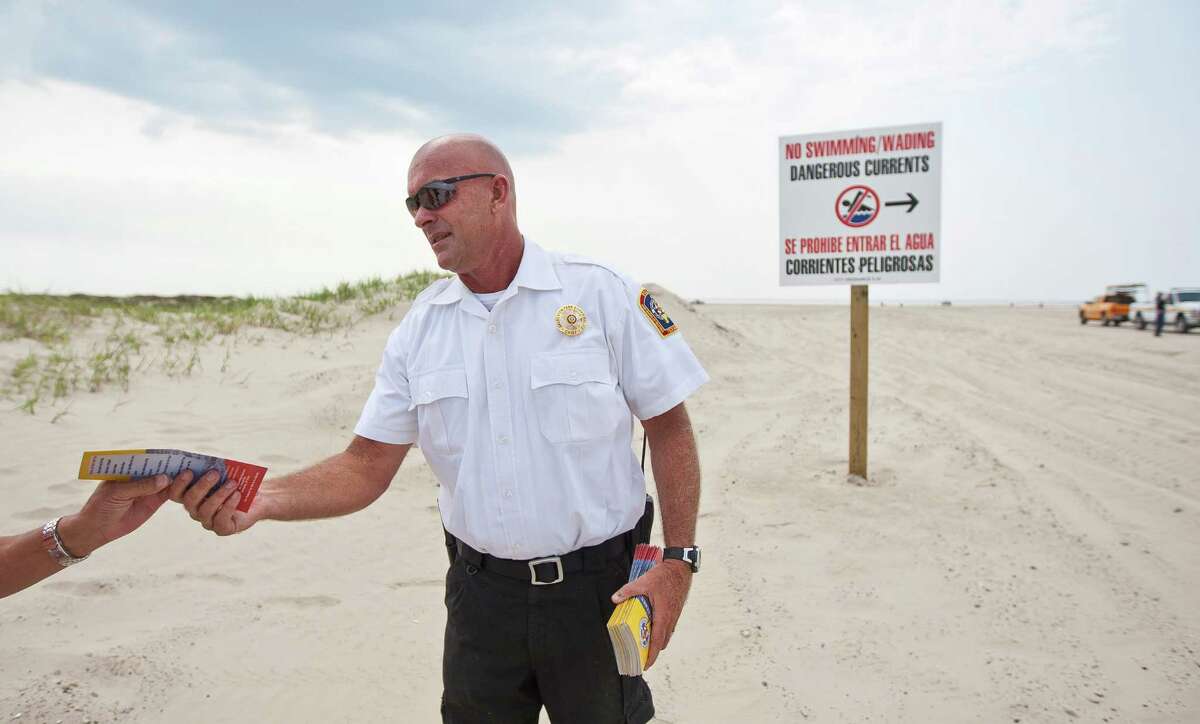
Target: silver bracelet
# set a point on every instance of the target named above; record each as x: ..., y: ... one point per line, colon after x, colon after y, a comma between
x: 54, y: 545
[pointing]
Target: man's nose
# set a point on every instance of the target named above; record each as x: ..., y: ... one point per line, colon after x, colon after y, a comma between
x: 423, y: 217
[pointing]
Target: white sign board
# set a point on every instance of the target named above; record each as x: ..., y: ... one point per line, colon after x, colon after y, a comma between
x: 861, y: 207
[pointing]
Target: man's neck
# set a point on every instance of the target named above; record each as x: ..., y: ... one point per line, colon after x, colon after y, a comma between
x: 499, y: 271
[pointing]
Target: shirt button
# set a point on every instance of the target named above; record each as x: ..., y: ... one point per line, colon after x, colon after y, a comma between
x: 491, y: 329
x: 503, y: 439
x: 572, y: 374
x: 497, y: 385
x: 508, y: 492
x: 428, y: 395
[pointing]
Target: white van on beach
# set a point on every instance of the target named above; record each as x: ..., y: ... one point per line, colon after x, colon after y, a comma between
x: 1183, y: 310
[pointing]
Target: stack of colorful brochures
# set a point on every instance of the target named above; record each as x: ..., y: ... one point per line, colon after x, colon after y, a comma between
x: 629, y: 625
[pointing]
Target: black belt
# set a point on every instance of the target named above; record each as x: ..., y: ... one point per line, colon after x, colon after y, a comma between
x: 551, y: 569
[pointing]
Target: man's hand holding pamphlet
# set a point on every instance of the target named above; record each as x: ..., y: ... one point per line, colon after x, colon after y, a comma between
x: 629, y: 625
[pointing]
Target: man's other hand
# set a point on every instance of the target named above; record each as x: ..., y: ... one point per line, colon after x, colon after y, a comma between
x: 217, y: 512
x: 666, y: 585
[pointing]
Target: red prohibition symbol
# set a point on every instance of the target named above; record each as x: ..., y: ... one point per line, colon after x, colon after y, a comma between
x: 857, y: 206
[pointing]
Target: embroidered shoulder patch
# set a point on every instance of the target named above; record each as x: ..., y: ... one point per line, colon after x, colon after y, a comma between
x: 655, y: 313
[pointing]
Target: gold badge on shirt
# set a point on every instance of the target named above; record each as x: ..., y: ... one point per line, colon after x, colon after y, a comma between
x: 570, y: 320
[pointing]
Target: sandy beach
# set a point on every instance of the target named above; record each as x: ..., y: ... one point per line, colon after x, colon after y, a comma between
x: 1025, y: 550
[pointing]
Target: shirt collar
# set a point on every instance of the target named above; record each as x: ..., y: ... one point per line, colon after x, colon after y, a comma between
x: 535, y: 272
x: 537, y: 269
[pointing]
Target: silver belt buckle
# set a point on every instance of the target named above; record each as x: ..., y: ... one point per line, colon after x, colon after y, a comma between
x: 533, y: 579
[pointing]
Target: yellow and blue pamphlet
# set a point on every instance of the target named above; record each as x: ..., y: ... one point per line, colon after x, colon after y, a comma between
x: 131, y: 464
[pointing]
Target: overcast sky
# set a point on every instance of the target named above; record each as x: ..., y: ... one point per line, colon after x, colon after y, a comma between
x: 231, y: 147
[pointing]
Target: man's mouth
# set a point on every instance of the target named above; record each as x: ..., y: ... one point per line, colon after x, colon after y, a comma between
x: 438, y: 237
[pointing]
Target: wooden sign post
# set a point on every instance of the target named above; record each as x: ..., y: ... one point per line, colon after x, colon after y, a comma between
x: 859, y: 328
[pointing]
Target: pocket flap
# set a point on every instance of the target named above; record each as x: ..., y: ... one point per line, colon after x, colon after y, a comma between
x: 438, y: 385
x: 570, y: 368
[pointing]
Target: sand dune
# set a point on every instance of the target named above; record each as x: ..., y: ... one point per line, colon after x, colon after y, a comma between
x: 1026, y: 548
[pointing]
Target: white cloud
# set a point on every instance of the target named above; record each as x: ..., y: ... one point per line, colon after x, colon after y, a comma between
x: 190, y: 209
x: 674, y: 180
x: 681, y: 186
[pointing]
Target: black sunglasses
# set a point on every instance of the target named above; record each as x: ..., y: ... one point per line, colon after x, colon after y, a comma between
x: 436, y: 194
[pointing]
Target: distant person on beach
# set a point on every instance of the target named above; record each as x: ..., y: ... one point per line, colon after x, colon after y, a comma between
x: 114, y: 510
x: 1160, y: 313
x: 518, y: 379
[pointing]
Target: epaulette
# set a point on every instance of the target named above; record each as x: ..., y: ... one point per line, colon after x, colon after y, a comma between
x: 616, y: 276
x: 581, y: 259
x: 588, y: 261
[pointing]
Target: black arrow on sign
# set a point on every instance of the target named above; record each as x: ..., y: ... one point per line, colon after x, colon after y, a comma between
x: 911, y: 203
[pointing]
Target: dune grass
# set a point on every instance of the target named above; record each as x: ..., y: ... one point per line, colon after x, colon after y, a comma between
x: 163, y: 333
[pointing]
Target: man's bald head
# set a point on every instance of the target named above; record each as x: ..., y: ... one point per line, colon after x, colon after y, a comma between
x: 466, y: 151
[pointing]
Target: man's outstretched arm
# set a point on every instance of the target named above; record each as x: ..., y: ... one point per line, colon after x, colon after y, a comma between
x: 338, y: 485
x: 676, y: 465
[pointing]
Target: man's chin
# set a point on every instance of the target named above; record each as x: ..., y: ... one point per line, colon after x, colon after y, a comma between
x: 446, y: 260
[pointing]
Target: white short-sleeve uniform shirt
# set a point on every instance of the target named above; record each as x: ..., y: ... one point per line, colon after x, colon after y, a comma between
x: 529, y: 429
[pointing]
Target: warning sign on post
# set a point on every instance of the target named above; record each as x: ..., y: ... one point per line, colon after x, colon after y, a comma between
x: 861, y: 207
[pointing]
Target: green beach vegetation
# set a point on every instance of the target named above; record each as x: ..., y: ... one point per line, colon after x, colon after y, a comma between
x: 82, y: 342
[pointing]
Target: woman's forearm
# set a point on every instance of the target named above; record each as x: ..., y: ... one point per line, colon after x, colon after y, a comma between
x: 24, y: 561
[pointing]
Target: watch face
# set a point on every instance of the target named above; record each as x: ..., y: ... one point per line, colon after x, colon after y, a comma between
x: 693, y: 557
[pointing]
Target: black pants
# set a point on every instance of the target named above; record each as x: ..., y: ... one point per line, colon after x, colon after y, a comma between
x: 512, y: 648
x: 1159, y: 319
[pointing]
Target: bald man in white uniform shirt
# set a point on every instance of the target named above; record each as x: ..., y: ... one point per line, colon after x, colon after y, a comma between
x: 519, y: 379
x: 524, y: 418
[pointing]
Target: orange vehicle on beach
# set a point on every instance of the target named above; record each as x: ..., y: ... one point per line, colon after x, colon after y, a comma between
x: 1112, y: 307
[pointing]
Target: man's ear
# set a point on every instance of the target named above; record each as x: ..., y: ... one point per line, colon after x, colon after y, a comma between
x: 499, y: 192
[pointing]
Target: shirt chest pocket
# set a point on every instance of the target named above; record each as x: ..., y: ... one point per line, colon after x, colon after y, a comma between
x: 440, y: 399
x: 575, y: 396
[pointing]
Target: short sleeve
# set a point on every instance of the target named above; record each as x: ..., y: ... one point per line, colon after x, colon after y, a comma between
x: 657, y: 369
x: 388, y: 415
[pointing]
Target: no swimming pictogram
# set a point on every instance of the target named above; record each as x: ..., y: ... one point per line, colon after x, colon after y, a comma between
x: 857, y: 206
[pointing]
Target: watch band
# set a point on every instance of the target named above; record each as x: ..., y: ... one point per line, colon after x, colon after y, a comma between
x: 689, y: 555
x: 54, y: 545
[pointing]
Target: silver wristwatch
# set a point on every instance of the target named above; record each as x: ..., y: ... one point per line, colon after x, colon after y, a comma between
x: 54, y: 545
